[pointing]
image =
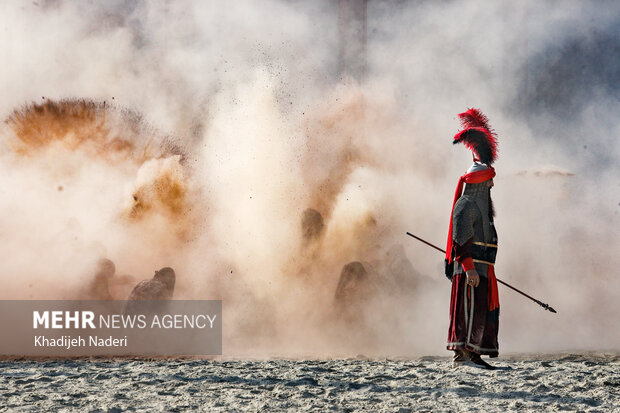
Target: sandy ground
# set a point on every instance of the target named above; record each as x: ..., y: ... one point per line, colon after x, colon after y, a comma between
x: 565, y: 382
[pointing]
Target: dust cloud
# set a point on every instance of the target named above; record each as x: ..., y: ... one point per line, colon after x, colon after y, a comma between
x: 224, y: 142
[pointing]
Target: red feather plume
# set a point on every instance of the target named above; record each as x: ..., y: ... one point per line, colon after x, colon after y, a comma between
x: 478, y: 136
x: 474, y: 118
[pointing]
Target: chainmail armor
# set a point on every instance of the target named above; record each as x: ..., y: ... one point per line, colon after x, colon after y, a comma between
x: 471, y: 220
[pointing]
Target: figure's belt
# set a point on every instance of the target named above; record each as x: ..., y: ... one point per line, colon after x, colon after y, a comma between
x: 482, y: 262
x: 483, y: 253
x: 485, y: 244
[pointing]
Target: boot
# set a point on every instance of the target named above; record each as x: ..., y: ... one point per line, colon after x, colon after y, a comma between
x: 477, y: 360
x: 460, y: 357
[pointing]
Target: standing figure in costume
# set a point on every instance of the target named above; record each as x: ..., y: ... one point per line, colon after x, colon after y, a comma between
x: 471, y: 250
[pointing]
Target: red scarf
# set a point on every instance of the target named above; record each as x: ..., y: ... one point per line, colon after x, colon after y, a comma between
x: 470, y: 178
x: 493, y: 294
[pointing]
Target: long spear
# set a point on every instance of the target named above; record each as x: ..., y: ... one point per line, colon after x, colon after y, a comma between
x: 540, y: 303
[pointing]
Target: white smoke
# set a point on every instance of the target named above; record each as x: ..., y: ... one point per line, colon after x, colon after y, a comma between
x: 269, y: 128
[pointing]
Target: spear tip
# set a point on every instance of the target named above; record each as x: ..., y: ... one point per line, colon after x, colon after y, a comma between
x: 546, y: 307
